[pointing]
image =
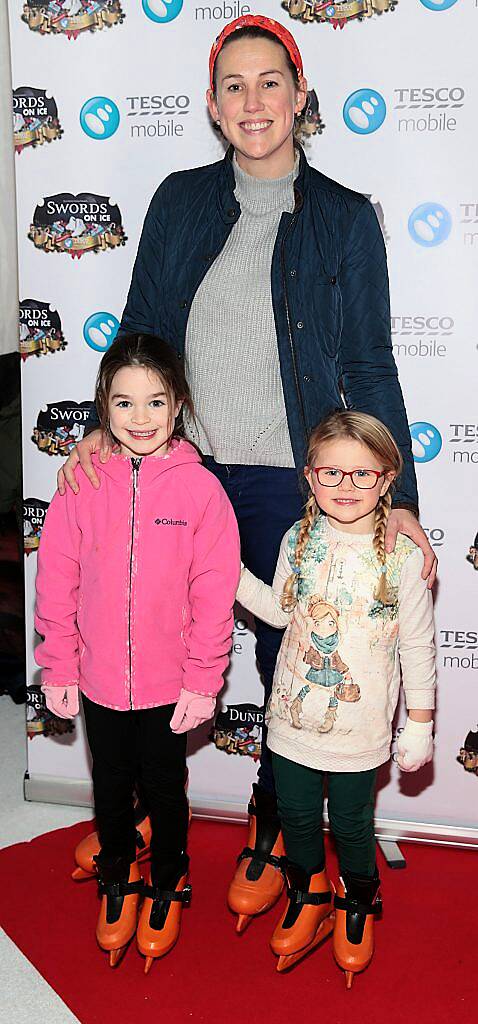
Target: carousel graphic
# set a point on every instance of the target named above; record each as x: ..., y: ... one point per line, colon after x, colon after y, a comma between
x: 34, y: 512
x: 60, y: 426
x: 71, y: 17
x: 238, y: 730
x: 338, y: 13
x: 40, y: 329
x: 35, y: 118
x: 41, y: 721
x: 468, y: 755
x: 77, y: 224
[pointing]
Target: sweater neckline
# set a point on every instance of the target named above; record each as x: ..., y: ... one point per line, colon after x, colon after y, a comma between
x: 356, y: 540
x: 262, y: 196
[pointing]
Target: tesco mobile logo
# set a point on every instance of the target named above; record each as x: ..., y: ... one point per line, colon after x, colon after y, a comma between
x: 100, y: 330
x: 426, y: 441
x: 99, y: 117
x: 364, y: 111
x: 429, y: 224
x: 162, y: 11
x: 438, y: 5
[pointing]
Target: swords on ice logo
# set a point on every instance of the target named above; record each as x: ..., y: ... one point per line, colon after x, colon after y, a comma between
x: 380, y: 215
x: 76, y: 224
x: 41, y: 721
x: 60, y: 426
x: 310, y: 119
x: 468, y: 755
x: 238, y: 730
x: 40, y: 329
x: 71, y: 17
x: 337, y: 13
x: 35, y: 118
x: 34, y: 512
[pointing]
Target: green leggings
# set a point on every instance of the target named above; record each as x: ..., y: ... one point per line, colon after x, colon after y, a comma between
x: 300, y: 797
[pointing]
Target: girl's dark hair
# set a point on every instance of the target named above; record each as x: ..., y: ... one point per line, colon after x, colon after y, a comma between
x: 255, y: 32
x: 154, y: 354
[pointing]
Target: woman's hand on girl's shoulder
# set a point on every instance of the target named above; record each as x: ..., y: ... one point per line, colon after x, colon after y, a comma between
x: 401, y: 520
x: 82, y: 452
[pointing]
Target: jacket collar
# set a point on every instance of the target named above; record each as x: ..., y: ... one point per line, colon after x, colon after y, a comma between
x: 228, y: 205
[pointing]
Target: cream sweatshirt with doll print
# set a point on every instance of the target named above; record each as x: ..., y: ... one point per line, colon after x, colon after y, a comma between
x: 337, y: 676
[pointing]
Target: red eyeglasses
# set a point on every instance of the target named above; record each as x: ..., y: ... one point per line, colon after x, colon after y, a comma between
x: 331, y: 476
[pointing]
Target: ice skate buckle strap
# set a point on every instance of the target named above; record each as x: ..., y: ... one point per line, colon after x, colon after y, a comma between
x: 119, y: 888
x: 155, y: 892
x: 355, y: 907
x: 277, y: 862
x: 314, y: 899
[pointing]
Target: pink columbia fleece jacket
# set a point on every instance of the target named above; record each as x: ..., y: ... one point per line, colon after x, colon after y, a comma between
x: 136, y: 582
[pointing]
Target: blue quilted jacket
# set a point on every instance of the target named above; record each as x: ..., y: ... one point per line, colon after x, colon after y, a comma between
x: 329, y: 292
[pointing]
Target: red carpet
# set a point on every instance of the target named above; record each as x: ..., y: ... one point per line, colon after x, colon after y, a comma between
x: 424, y: 967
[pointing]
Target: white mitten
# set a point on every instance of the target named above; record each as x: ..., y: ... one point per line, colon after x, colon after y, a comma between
x: 415, y: 745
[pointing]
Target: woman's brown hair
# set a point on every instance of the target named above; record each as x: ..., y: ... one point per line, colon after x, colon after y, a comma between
x: 153, y: 354
x: 356, y: 426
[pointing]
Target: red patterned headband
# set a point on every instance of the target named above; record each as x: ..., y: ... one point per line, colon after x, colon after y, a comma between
x: 257, y: 21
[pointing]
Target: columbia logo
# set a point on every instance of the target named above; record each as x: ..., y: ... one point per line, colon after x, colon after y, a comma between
x: 171, y: 522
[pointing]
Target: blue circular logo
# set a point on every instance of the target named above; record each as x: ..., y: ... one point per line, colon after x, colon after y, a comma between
x: 429, y: 224
x: 162, y: 10
x: 99, y: 331
x: 364, y: 111
x: 99, y: 117
x: 438, y: 5
x: 426, y: 441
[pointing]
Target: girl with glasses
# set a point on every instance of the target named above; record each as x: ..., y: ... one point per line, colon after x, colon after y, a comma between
x: 355, y: 617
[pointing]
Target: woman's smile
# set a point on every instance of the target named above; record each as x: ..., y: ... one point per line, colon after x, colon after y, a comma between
x: 255, y: 126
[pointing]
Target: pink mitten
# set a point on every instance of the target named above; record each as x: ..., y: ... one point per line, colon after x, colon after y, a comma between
x: 62, y: 701
x: 191, y: 710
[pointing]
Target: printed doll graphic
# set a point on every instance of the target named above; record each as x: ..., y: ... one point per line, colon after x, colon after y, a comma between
x: 320, y: 652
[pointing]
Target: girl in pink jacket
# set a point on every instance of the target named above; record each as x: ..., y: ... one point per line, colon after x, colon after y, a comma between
x: 135, y: 591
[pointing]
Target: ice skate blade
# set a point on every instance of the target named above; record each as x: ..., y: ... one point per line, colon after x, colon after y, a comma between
x: 242, y: 922
x: 324, y: 929
x: 116, y: 955
x: 79, y: 873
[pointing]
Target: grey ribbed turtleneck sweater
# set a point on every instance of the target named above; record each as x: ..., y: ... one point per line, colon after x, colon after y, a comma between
x: 232, y: 358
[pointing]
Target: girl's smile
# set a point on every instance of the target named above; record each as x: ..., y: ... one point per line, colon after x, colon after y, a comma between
x: 141, y: 413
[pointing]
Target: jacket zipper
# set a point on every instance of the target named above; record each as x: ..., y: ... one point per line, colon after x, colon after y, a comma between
x: 289, y: 329
x: 136, y: 463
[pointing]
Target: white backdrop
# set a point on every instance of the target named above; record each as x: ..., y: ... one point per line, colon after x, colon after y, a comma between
x: 405, y: 139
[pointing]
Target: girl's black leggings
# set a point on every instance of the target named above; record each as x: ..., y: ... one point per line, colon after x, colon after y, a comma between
x: 351, y: 800
x: 132, y: 746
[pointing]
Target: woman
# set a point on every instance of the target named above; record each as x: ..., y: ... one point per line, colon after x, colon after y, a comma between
x: 270, y: 280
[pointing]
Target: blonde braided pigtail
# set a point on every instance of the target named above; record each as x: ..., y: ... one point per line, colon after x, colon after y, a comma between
x: 382, y: 513
x: 289, y: 593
